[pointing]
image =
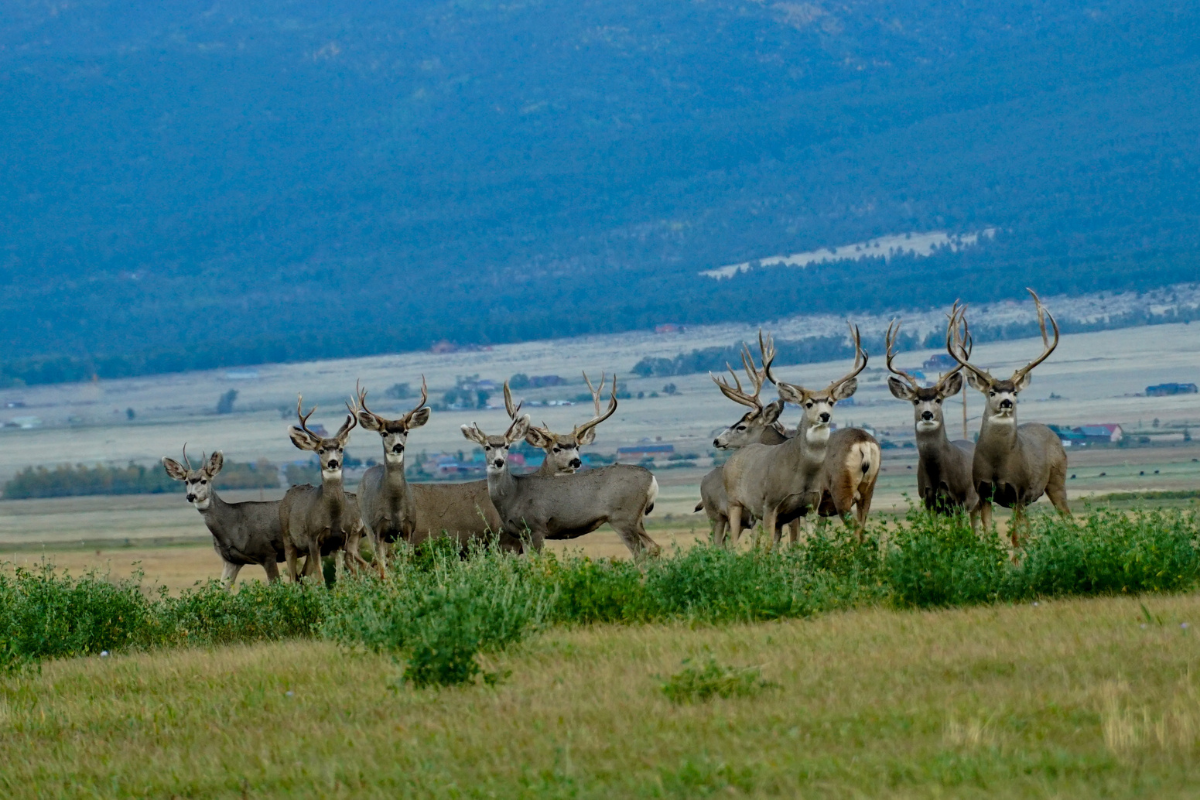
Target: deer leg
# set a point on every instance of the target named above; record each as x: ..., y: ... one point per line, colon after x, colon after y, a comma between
x: 718, y: 530
x: 229, y: 574
x: 312, y: 564
x: 735, y: 523
x: 1015, y: 526
x: 272, y: 569
x: 771, y: 528
x: 290, y: 553
x: 794, y: 531
x: 985, y: 514
x: 381, y: 555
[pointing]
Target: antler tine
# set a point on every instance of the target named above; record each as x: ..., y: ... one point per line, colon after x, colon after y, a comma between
x: 737, y: 395
x: 186, y: 460
x: 359, y: 401
x: 612, y: 409
x: 1047, y: 348
x: 755, y: 376
x: 766, y: 348
x: 596, y: 392
x: 420, y: 403
x: 893, y: 333
x: 860, y: 357
x: 508, y: 406
x: 958, y: 343
x: 304, y: 417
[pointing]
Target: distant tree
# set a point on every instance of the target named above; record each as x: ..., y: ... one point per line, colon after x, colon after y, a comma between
x: 225, y: 404
x: 398, y: 391
x: 670, y: 389
x: 519, y: 381
x: 130, y: 414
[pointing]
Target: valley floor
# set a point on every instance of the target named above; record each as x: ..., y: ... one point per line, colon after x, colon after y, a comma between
x: 1080, y: 698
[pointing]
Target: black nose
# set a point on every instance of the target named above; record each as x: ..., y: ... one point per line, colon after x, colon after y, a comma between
x: 397, y: 448
x: 1006, y: 403
x: 824, y: 416
x: 576, y: 463
x: 191, y: 498
x: 716, y: 442
x: 333, y: 465
x: 927, y: 415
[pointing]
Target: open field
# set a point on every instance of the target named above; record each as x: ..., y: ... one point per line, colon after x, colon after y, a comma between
x: 1080, y: 698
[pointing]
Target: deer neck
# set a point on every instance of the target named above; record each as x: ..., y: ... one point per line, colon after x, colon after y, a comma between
x: 333, y: 492
x: 998, y: 435
x: 501, y: 485
x: 393, y: 476
x: 546, y: 470
x: 932, y: 444
x: 216, y: 510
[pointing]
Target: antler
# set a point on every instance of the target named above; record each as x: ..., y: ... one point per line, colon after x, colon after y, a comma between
x: 359, y: 403
x: 766, y: 347
x: 304, y: 417
x: 893, y: 333
x: 859, y: 353
x: 508, y: 402
x: 1047, y: 348
x: 739, y: 395
x: 424, y: 398
x: 187, y: 460
x: 959, y: 341
x: 580, y: 430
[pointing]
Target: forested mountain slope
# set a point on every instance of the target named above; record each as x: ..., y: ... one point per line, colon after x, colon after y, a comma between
x: 208, y: 183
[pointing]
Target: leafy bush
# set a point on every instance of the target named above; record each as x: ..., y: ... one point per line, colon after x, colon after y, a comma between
x: 940, y: 561
x: 700, y: 682
x: 80, y: 480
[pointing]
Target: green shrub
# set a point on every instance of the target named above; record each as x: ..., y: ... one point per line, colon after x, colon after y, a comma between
x: 940, y: 561
x: 700, y: 682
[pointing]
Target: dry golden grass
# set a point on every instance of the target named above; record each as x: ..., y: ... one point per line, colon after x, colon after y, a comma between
x: 1063, y: 699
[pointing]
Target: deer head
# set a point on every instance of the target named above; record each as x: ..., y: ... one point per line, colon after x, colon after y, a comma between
x: 1001, y: 395
x: 563, y: 449
x: 394, y: 432
x: 927, y: 401
x: 198, y: 482
x: 495, y: 448
x: 818, y: 405
x: 329, y: 450
x: 748, y: 429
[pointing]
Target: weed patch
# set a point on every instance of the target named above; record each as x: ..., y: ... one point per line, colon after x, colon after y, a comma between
x: 698, y: 682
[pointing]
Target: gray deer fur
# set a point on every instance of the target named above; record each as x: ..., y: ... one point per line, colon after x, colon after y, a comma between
x: 1013, y: 465
x: 566, y: 506
x: 243, y: 533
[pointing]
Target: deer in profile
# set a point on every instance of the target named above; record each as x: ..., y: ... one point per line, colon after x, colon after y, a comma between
x: 319, y: 520
x: 562, y: 450
x: 1013, y: 464
x: 944, y: 467
x: 243, y: 533
x: 779, y: 483
x: 384, y: 496
x: 566, y: 506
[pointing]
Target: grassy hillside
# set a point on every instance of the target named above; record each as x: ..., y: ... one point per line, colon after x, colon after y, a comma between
x: 204, y: 184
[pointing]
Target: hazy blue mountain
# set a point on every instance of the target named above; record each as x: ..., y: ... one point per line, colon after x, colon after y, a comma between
x: 208, y: 183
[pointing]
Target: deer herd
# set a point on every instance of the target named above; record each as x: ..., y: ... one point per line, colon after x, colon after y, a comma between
x: 773, y: 476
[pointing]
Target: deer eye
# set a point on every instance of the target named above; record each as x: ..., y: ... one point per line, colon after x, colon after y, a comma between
x: 556, y: 449
x: 991, y: 394
x: 808, y: 404
x: 938, y: 401
x: 741, y: 427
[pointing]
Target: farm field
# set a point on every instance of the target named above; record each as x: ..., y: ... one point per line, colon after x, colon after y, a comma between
x: 1077, y: 698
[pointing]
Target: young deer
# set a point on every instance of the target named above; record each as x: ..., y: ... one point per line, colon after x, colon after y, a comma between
x: 243, y: 533
x: 944, y: 467
x: 323, y: 519
x: 783, y: 482
x: 566, y: 506
x: 384, y: 496
x: 1013, y: 465
x: 562, y: 450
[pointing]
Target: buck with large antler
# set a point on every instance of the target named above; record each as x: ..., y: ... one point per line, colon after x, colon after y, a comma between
x: 566, y: 506
x: 319, y: 520
x: 1013, y: 465
x: 384, y: 496
x: 562, y: 449
x: 944, y: 479
x: 779, y: 483
x: 243, y: 533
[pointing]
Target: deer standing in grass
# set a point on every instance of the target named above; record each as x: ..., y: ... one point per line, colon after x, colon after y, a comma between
x: 562, y: 450
x: 944, y: 467
x: 1013, y: 464
x: 384, y: 496
x: 243, y: 533
x: 566, y: 506
x: 318, y: 520
x: 779, y: 483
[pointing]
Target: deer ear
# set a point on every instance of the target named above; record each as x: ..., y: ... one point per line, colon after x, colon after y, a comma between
x: 301, y: 439
x: 343, y: 434
x: 538, y: 438
x: 419, y: 417
x: 951, y: 386
x: 977, y: 382
x: 771, y: 412
x: 790, y: 394
x: 845, y: 389
x: 174, y: 469
x: 368, y: 422
x: 215, y: 462
x: 519, y: 428
x: 588, y: 437
x: 901, y: 390
x: 473, y: 433
x: 1023, y: 383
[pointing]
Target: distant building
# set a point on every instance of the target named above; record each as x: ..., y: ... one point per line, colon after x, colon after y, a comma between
x: 641, y: 452
x: 668, y: 327
x: 1107, y: 433
x: 1167, y: 389
x: 940, y: 363
x: 444, y: 346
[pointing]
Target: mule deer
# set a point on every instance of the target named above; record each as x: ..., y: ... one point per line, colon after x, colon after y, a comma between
x: 384, y: 497
x: 566, y: 506
x: 243, y: 533
x: 562, y: 450
x: 318, y: 520
x: 779, y: 483
x: 1013, y: 464
x: 944, y: 479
